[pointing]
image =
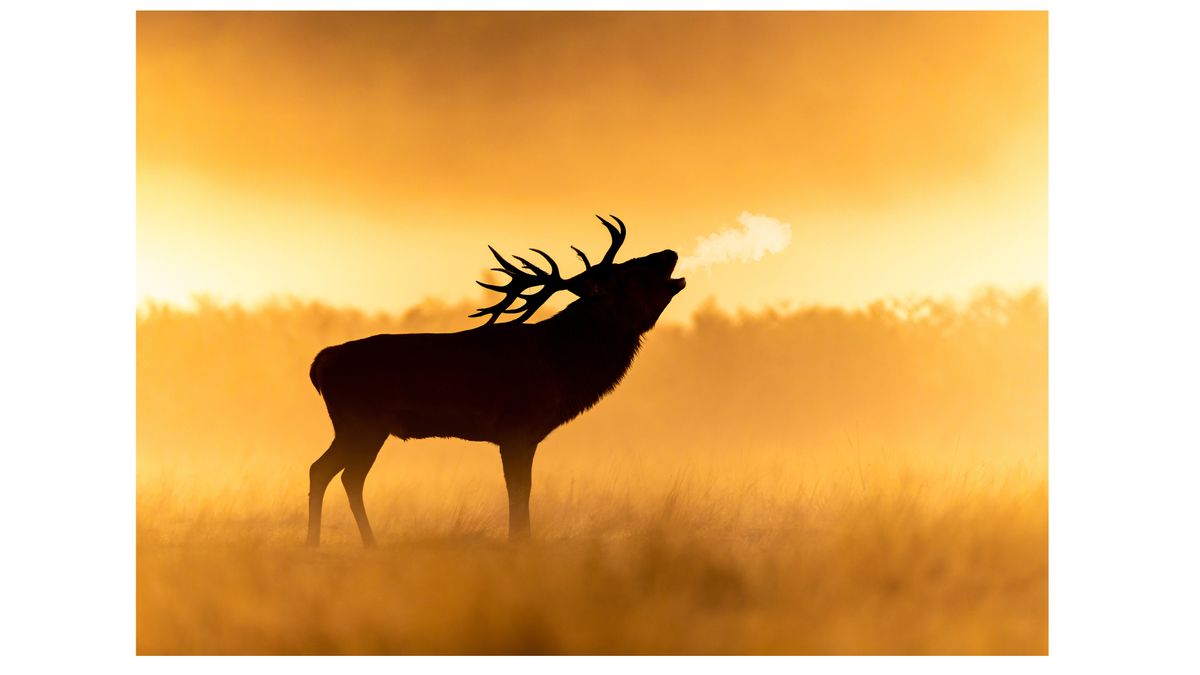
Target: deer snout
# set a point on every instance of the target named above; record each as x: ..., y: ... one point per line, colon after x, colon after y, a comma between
x: 667, y: 258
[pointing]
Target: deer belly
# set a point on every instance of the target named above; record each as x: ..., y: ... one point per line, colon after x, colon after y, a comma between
x: 467, y: 423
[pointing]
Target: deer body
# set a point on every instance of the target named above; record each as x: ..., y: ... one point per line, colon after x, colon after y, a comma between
x: 495, y: 383
x: 505, y: 383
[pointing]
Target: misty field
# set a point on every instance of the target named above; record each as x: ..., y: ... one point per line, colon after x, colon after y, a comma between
x: 808, y: 482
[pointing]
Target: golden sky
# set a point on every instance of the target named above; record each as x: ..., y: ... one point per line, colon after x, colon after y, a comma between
x: 367, y: 158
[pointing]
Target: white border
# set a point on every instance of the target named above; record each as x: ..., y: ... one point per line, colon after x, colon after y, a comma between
x: 1124, y: 332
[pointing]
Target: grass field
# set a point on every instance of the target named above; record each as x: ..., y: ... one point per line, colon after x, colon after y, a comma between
x: 765, y: 556
x: 823, y: 482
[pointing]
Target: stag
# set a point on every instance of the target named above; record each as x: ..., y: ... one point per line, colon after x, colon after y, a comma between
x: 510, y: 383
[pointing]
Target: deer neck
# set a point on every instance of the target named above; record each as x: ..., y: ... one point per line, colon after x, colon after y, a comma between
x: 591, y: 352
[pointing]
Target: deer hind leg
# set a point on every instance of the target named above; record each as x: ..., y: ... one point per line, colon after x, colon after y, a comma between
x: 358, y: 463
x: 319, y: 474
x: 517, y: 459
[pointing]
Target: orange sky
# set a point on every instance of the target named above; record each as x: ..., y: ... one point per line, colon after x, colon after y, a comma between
x: 367, y: 158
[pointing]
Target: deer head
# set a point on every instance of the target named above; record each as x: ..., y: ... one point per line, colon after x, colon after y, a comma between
x: 641, y: 288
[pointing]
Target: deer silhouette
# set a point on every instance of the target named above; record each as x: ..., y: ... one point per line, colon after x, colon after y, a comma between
x: 510, y: 383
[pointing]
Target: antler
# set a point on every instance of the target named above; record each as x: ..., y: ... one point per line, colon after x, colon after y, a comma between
x: 549, y: 282
x: 618, y: 238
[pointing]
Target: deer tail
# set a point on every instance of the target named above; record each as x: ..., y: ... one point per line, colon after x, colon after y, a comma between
x: 314, y: 372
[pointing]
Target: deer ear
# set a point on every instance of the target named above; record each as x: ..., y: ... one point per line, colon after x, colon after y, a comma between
x: 585, y: 288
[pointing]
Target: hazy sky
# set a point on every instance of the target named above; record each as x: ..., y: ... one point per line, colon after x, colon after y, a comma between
x: 368, y: 158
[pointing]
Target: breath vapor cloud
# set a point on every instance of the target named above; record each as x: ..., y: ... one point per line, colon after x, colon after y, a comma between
x: 757, y: 236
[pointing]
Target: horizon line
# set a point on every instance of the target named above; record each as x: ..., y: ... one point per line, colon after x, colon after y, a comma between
x: 203, y: 299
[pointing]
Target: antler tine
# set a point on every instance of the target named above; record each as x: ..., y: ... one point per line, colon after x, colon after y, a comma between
x: 618, y: 238
x: 492, y: 287
x: 587, y: 265
x: 494, y: 310
x: 553, y: 265
x: 619, y: 223
x: 509, y: 268
x: 609, y: 226
x: 503, y: 307
x: 537, y: 271
x: 532, y: 303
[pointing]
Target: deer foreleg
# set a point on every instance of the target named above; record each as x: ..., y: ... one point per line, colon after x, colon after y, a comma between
x: 518, y: 469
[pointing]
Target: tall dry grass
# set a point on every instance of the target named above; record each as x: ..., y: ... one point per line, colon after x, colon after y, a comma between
x: 808, y: 482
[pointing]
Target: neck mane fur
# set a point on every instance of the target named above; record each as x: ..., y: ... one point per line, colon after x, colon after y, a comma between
x: 591, y: 350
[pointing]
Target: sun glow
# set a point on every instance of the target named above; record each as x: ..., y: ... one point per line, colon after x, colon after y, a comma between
x: 908, y: 150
